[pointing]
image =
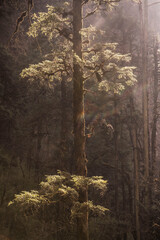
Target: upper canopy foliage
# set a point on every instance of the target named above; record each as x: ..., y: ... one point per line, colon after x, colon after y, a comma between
x: 100, y: 60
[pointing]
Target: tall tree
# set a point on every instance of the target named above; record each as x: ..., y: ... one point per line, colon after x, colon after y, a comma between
x: 116, y: 157
x: 136, y: 168
x: 145, y: 98
x: 100, y: 61
x: 63, y: 141
x: 155, y: 106
x: 78, y: 117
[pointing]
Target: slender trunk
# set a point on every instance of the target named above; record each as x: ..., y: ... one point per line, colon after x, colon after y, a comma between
x: 63, y: 140
x: 122, y: 162
x: 136, y: 170
x: 123, y: 187
x: 78, y: 118
x: 130, y: 197
x: 133, y: 135
x: 116, y: 154
x: 155, y: 109
x: 136, y: 187
x: 62, y: 151
x: 145, y: 99
x: 38, y: 149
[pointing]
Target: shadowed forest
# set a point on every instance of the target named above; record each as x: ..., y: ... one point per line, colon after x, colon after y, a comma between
x: 79, y: 120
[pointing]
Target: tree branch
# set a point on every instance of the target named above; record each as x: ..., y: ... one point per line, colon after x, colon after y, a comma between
x: 90, y: 13
x: 65, y: 33
x: 149, y: 5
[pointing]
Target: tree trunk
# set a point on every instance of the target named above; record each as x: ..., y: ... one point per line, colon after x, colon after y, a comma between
x: 38, y: 149
x: 78, y: 118
x: 116, y: 155
x: 123, y: 187
x: 136, y: 170
x: 63, y: 140
x: 133, y: 136
x: 145, y: 99
x: 155, y: 109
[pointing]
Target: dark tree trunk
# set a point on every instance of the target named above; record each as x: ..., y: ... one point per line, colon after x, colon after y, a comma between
x: 145, y: 99
x: 78, y: 118
x: 133, y: 134
x: 123, y: 187
x: 136, y: 169
x: 63, y: 140
x: 38, y: 150
x: 155, y: 109
x: 116, y: 159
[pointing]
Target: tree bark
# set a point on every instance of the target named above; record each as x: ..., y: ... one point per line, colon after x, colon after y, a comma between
x: 38, y: 149
x: 78, y: 118
x: 145, y: 99
x: 136, y: 170
x: 63, y: 138
x: 155, y: 110
x: 116, y: 159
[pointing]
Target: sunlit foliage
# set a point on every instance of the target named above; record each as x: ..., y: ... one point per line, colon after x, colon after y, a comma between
x: 100, y: 62
x: 63, y: 188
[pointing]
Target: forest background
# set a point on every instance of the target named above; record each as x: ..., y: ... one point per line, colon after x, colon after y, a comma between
x: 120, y: 75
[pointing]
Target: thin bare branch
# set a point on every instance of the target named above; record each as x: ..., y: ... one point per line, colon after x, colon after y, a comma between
x: 90, y: 13
x: 155, y: 3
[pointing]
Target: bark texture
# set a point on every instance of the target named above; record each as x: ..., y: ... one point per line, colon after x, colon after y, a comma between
x: 78, y: 118
x: 145, y: 99
x: 116, y: 158
x: 155, y: 109
x: 63, y: 165
x: 136, y: 170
